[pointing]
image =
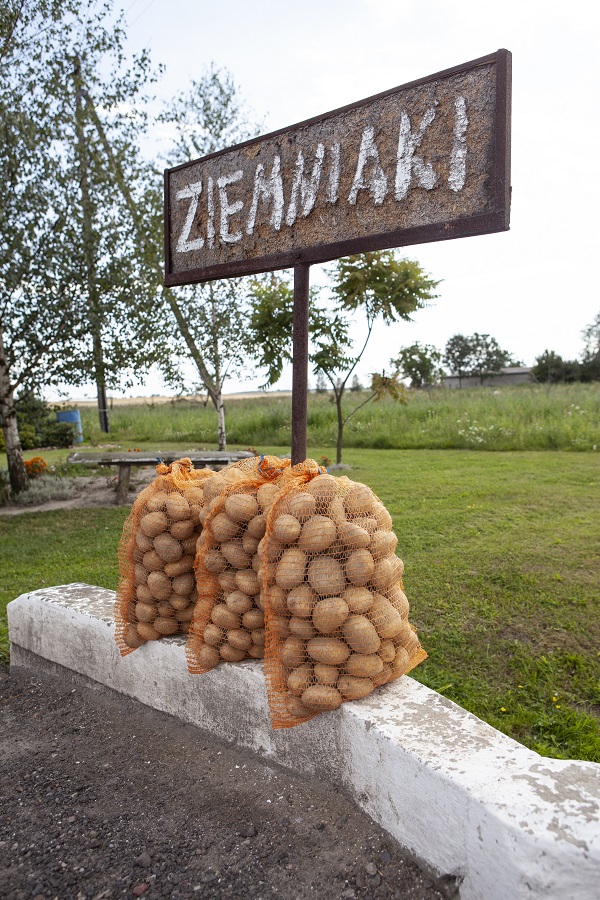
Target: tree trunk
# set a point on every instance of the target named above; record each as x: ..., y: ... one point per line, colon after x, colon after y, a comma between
x: 8, y: 419
x: 102, y: 408
x: 221, y: 422
x: 340, y: 419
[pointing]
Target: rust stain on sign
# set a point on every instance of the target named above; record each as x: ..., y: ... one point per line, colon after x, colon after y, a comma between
x: 423, y: 162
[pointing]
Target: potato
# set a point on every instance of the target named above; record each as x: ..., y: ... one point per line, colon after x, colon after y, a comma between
x: 182, y: 530
x: 185, y: 615
x: 194, y: 493
x: 326, y: 576
x: 352, y: 535
x: 329, y: 614
x: 401, y: 659
x: 302, y: 506
x: 337, y: 512
x: 238, y: 602
x: 227, y: 581
x: 369, y: 523
x: 293, y: 652
x: 153, y: 562
x: 224, y: 617
x: 302, y: 627
x: 286, y: 529
x: 214, y: 562
x: 147, y: 632
x: 383, y: 517
x: 299, y: 679
x: 195, y: 511
x: 241, y: 507
x: 387, y: 651
x: 247, y: 581
x: 167, y: 547
x: 153, y: 523
x: 189, y: 545
x: 176, y: 507
x: 387, y: 620
x: 383, y: 543
x: 398, y: 568
x: 235, y: 555
x: 407, y: 639
x: 359, y: 599
x: 249, y: 544
x: 252, y: 619
x: 364, y: 665
x: 224, y: 528
x: 213, y: 635
x: 165, y: 609
x: 256, y: 564
x: 353, y: 688
x: 230, y: 654
x: 318, y: 534
x: 207, y: 657
x: 398, y: 599
x: 140, y: 574
x: 295, y: 707
x: 259, y: 600
x: 321, y: 696
x: 256, y: 651
x: 132, y: 638
x: 290, y: 569
x: 326, y: 674
x: 258, y: 636
x: 279, y: 626
x: 184, y: 584
x: 383, y: 677
x: 239, y: 638
x: 360, y: 566
x: 212, y: 487
x: 178, y: 602
x: 257, y: 526
x: 361, y: 634
x: 145, y: 612
x: 266, y: 495
x: 271, y: 551
x: 143, y: 542
x: 166, y: 625
x: 181, y: 567
x: 323, y: 488
x: 156, y: 501
x: 143, y: 593
x: 301, y: 601
x: 328, y: 650
x: 159, y: 585
x: 184, y: 627
x: 383, y: 573
x: 276, y: 600
x: 130, y: 613
x: 203, y: 515
x: 359, y: 500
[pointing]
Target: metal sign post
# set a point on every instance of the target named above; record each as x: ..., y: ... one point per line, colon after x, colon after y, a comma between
x: 427, y: 161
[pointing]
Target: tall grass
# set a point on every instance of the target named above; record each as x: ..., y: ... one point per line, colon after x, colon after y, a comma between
x: 524, y: 417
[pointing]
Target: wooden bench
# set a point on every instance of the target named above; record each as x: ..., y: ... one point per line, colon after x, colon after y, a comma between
x: 214, y: 459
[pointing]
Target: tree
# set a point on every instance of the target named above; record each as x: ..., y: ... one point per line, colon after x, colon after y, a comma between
x: 458, y: 356
x: 487, y: 357
x: 377, y: 285
x: 356, y: 385
x: 590, y: 366
x: 420, y: 363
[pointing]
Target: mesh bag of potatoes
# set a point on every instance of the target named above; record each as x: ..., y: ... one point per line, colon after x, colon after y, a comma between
x: 228, y: 622
x: 336, y: 614
x: 157, y: 586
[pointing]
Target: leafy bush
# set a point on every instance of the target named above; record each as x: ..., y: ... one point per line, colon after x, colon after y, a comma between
x: 47, y: 488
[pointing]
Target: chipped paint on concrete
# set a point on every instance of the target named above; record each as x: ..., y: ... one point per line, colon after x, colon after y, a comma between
x: 465, y: 798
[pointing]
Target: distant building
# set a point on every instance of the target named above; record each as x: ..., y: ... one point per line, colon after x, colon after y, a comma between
x: 504, y: 378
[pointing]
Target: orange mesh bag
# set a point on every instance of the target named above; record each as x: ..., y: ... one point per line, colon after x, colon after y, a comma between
x: 157, y: 588
x: 336, y: 614
x: 228, y: 622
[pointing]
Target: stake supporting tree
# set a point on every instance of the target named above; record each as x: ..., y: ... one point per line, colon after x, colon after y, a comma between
x: 300, y: 363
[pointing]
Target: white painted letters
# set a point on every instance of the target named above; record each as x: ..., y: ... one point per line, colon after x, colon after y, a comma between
x: 306, y: 188
x: 267, y: 189
x: 228, y: 209
x: 334, y: 175
x: 408, y: 161
x: 377, y: 182
x: 210, y: 225
x: 191, y: 192
x: 458, y: 157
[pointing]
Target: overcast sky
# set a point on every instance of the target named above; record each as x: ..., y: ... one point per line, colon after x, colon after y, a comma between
x: 532, y: 288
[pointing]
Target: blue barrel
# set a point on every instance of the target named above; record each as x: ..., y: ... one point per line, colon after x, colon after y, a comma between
x: 73, y: 417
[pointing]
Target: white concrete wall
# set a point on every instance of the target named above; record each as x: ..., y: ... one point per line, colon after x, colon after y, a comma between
x: 462, y: 796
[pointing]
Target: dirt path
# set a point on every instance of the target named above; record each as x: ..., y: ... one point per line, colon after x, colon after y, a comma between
x: 101, y: 797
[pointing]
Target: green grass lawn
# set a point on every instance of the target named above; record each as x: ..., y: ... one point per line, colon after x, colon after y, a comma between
x: 502, y: 573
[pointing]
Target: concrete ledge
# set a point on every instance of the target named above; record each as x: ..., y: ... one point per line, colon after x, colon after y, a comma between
x: 459, y: 794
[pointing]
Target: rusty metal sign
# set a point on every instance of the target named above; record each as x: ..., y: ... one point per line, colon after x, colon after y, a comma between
x: 426, y: 161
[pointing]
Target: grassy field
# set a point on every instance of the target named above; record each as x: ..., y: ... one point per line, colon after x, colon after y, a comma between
x: 564, y: 417
x: 502, y: 572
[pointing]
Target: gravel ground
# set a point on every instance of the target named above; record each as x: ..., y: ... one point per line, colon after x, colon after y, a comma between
x: 101, y: 797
